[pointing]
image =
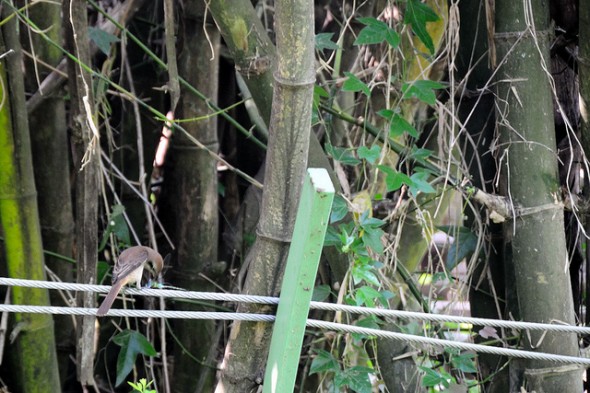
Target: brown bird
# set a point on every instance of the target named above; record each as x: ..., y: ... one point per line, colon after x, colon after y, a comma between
x: 129, y: 270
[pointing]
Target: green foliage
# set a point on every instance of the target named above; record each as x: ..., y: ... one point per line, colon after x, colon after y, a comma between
x: 420, y: 154
x: 354, y: 84
x: 324, y: 361
x: 422, y: 90
x: 341, y: 154
x: 117, y: 226
x: 463, y: 246
x: 324, y: 41
x: 436, y: 378
x: 132, y: 343
x: 370, y: 297
x: 142, y: 386
x: 339, y: 209
x: 321, y: 293
x: 369, y: 154
x: 416, y: 183
x: 102, y: 39
x: 417, y: 15
x: 397, y: 124
x: 440, y: 377
x: 375, y: 32
x: 355, y: 378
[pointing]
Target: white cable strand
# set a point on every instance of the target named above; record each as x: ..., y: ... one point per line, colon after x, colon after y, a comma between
x: 310, y: 323
x: 314, y: 305
x: 451, y: 318
x: 437, y: 342
x: 226, y: 316
x: 141, y: 292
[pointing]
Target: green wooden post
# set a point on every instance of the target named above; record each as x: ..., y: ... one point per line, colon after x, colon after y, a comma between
x: 298, y: 282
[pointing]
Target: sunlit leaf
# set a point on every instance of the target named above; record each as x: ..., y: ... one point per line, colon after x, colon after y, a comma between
x: 416, y: 15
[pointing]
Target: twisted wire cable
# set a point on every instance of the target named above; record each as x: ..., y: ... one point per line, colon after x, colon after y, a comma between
x: 216, y: 296
x: 332, y: 326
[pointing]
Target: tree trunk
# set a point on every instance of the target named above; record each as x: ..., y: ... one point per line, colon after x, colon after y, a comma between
x: 255, y: 56
x: 288, y: 146
x: 196, y: 201
x: 535, y: 240
x: 86, y: 156
x: 50, y: 149
x: 476, y: 112
x: 34, y: 359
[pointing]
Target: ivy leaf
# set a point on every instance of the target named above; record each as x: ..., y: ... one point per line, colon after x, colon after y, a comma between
x: 417, y: 14
x: 102, y: 39
x: 464, y: 362
x: 386, y: 113
x: 354, y: 84
x: 321, y: 293
x: 366, y: 296
x: 132, y: 343
x: 397, y: 124
x: 464, y: 244
x: 324, y: 41
x: 332, y: 237
x: 363, y: 272
x: 370, y: 155
x: 117, y: 226
x: 356, y: 378
x: 420, y: 154
x: 394, y: 179
x: 339, y: 209
x: 370, y: 321
x: 324, y: 361
x: 420, y: 183
x: 434, y: 378
x: 375, y: 32
x: 422, y: 90
x: 318, y: 93
x: 341, y: 154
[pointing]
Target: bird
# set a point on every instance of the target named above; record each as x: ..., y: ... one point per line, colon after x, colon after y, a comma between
x: 128, y: 270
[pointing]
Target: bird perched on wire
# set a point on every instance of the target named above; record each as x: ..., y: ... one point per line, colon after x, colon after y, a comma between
x: 128, y: 270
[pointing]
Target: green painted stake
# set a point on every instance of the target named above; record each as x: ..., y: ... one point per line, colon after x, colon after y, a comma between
x: 298, y: 282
